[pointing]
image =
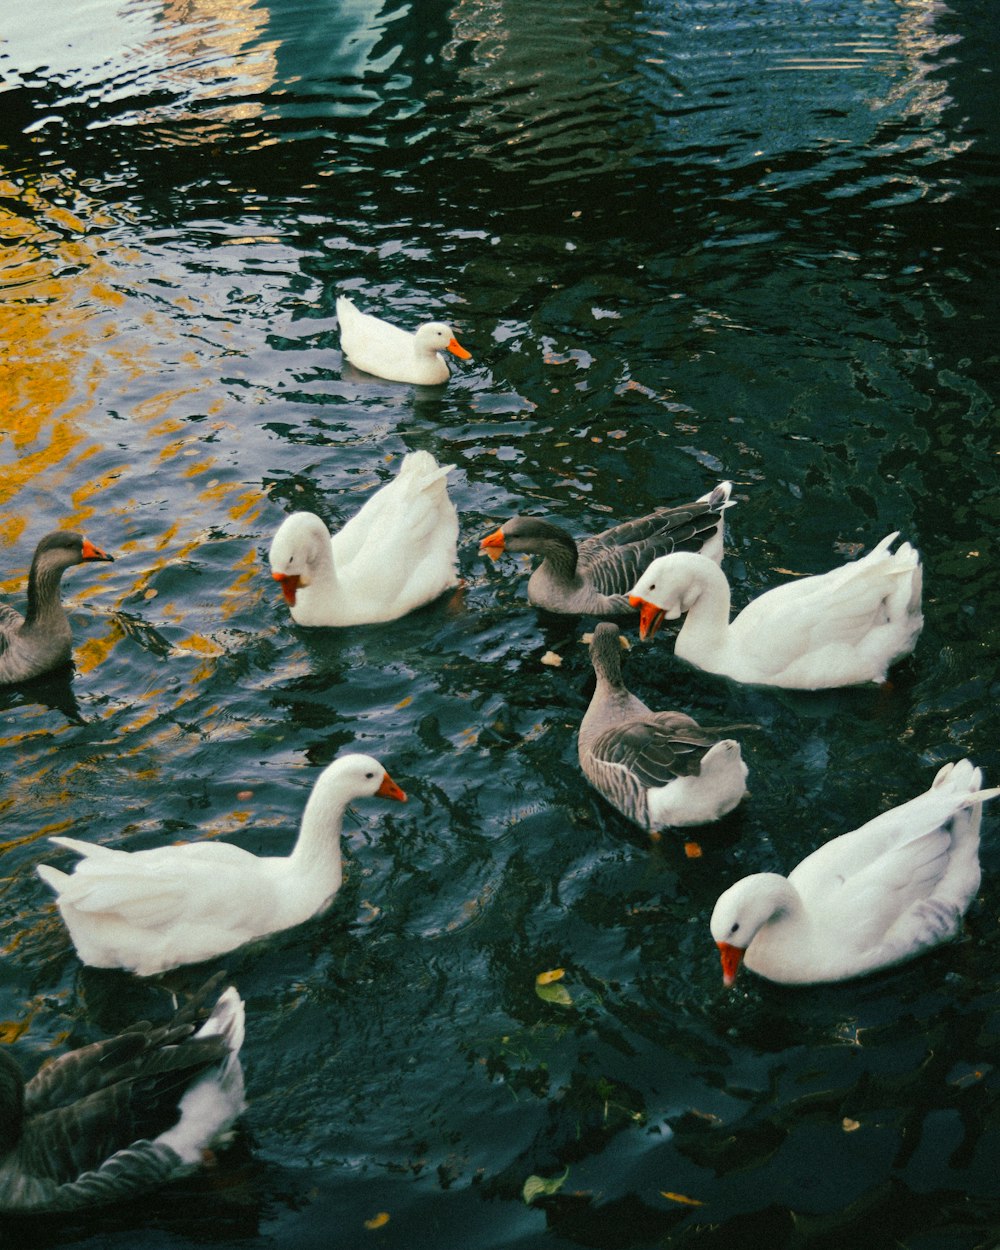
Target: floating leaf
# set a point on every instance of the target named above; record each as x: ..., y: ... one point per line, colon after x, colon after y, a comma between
x: 682, y: 1198
x: 553, y: 974
x: 557, y: 994
x: 378, y: 1221
x: 692, y: 850
x: 539, y: 1186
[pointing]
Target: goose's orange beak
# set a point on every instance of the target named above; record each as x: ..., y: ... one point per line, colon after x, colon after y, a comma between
x: 456, y: 349
x: 492, y: 545
x: 389, y: 790
x: 289, y: 583
x: 89, y: 552
x: 650, y: 616
x: 731, y: 957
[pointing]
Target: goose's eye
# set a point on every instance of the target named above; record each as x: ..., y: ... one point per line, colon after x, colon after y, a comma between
x: 369, y: 776
x: 735, y: 927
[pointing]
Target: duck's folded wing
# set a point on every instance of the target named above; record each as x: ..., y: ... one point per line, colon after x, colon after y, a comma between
x: 654, y: 750
x: 63, y: 1145
x: 150, y: 888
x: 66, y: 1078
x: 615, y: 560
x: 10, y: 620
x: 399, y: 516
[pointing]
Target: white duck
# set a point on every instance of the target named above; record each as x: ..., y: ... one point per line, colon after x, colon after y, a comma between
x: 380, y: 348
x: 398, y: 553
x: 148, y: 911
x: 119, y: 1117
x: 836, y: 629
x: 866, y: 900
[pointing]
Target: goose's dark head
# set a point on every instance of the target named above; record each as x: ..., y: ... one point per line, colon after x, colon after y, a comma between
x: 63, y: 548
x: 606, y: 651
x: 527, y: 533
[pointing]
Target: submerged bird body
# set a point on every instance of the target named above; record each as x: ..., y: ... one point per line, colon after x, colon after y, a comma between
x: 120, y: 1117
x: 659, y: 769
x: 836, y: 629
x: 866, y: 900
x: 151, y: 910
x: 398, y: 552
x: 385, y: 350
x: 593, y: 576
x: 42, y: 640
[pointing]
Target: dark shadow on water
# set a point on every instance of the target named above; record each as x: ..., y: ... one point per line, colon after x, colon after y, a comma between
x: 53, y: 690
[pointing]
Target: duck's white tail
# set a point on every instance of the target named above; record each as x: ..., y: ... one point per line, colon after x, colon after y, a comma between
x: 213, y: 1103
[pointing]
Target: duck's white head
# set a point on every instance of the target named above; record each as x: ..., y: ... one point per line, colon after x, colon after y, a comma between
x: 741, y: 912
x: 435, y: 336
x: 354, y: 777
x: 301, y: 543
x: 668, y: 588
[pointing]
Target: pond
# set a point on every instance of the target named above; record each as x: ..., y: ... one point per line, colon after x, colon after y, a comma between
x: 684, y: 243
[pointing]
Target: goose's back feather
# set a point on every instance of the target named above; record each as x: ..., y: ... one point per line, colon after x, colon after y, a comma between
x: 122, y: 1116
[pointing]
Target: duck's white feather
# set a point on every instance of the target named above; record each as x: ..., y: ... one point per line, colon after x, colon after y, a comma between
x: 399, y: 552
x: 383, y: 349
x: 155, y: 909
x: 870, y: 898
x: 835, y: 629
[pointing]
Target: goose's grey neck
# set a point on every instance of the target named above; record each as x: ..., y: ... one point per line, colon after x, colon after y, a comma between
x: 558, y: 552
x: 43, y: 592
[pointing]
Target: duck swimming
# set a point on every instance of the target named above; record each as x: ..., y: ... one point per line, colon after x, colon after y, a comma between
x: 120, y: 1117
x: 593, y: 576
x: 867, y: 900
x: 385, y: 350
x: 836, y: 629
x: 658, y: 768
x: 398, y: 553
x: 41, y: 640
x: 147, y: 911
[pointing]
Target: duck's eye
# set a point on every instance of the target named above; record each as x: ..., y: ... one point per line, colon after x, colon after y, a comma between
x: 369, y: 776
x: 735, y: 927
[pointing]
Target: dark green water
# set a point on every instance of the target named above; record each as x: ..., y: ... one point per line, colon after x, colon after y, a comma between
x: 683, y: 242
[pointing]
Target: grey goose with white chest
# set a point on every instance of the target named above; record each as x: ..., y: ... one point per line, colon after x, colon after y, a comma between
x: 660, y: 769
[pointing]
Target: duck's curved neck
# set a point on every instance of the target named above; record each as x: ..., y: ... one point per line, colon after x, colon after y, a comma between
x: 316, y: 854
x: 705, y: 630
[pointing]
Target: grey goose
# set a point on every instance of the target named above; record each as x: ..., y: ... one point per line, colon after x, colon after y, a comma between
x: 41, y: 640
x: 121, y: 1116
x: 660, y: 769
x: 593, y: 576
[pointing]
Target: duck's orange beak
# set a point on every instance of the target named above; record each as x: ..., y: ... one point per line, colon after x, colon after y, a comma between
x: 89, y: 552
x: 289, y: 583
x: 456, y: 349
x: 650, y: 616
x: 492, y: 545
x: 389, y: 790
x: 731, y: 957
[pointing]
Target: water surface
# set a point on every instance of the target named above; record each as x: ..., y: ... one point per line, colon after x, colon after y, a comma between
x: 684, y: 242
